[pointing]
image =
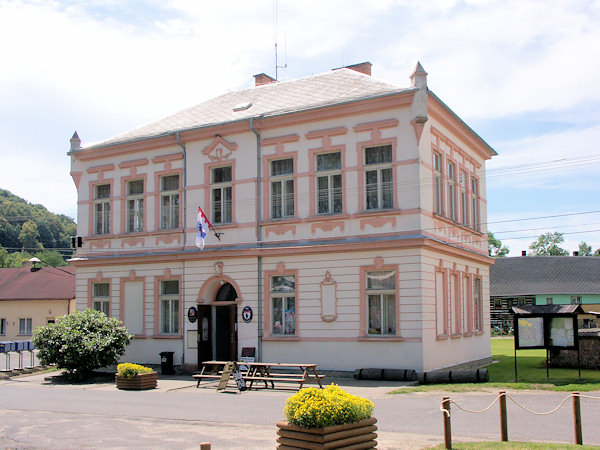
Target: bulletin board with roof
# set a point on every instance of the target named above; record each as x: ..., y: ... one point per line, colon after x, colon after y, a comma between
x: 546, y: 327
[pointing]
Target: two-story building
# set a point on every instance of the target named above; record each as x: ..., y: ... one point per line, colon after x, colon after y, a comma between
x: 351, y: 216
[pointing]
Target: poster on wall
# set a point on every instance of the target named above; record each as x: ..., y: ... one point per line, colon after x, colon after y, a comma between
x: 562, y: 332
x: 530, y: 332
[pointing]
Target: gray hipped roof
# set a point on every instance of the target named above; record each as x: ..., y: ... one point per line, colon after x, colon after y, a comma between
x: 531, y: 275
x: 329, y: 88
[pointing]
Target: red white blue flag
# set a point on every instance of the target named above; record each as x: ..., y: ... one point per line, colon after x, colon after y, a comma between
x: 202, y: 228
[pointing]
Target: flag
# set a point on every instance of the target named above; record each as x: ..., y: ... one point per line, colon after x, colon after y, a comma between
x: 202, y: 228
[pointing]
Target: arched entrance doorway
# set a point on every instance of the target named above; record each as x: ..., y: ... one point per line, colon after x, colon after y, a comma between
x: 217, y: 326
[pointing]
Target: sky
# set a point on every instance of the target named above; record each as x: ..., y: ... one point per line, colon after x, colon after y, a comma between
x: 523, y: 74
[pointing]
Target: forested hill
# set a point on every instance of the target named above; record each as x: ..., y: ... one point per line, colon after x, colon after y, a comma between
x: 32, y: 228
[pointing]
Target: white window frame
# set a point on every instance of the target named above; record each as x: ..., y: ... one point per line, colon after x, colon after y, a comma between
x: 169, y: 309
x: 101, y: 211
x: 282, y: 205
x: 475, y: 203
x: 101, y: 301
x: 381, y: 297
x: 135, y: 208
x: 222, y: 209
x: 576, y: 300
x: 169, y: 204
x: 451, y: 189
x: 438, y: 187
x: 330, y: 196
x: 380, y: 187
x: 464, y: 199
x: 283, y: 325
x: 25, y: 325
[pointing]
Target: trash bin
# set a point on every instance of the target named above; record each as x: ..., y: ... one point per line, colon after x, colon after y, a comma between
x: 166, y: 363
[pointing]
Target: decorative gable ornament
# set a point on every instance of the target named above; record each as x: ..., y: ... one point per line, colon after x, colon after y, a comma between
x: 220, y: 149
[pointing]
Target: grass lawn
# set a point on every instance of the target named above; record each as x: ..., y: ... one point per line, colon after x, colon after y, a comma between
x: 510, y: 445
x: 531, y: 371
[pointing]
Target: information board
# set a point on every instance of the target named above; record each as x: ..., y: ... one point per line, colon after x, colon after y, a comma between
x: 530, y: 332
x: 562, y: 332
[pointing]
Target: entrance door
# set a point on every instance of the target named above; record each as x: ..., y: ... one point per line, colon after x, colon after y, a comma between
x: 204, y: 333
x: 226, y: 332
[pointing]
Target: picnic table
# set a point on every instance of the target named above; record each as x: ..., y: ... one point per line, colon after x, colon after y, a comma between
x: 268, y: 373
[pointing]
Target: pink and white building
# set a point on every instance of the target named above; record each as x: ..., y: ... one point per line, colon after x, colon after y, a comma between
x: 351, y: 215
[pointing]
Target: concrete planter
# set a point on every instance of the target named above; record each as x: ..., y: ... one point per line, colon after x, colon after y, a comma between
x: 355, y: 435
x: 139, y: 382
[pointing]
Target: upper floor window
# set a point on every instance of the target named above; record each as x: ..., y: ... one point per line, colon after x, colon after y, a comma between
x: 378, y: 177
x: 169, y: 202
x: 282, y: 188
x: 135, y: 206
x: 475, y: 203
x: 169, y: 307
x: 100, y: 297
x: 283, y: 305
x: 220, y: 185
x: 464, y: 201
x: 102, y: 209
x: 451, y: 178
x: 381, y: 301
x: 329, y: 183
x: 25, y: 327
x: 575, y: 300
x: 549, y: 301
x: 437, y: 184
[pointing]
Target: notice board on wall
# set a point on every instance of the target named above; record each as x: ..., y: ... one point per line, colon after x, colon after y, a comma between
x: 530, y: 332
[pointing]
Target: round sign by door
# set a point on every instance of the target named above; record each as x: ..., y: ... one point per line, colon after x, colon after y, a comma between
x: 247, y: 314
x: 192, y: 314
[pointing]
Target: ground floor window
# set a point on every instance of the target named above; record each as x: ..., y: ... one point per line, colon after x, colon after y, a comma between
x: 169, y: 307
x: 25, y: 327
x: 101, y: 298
x: 381, y: 302
x: 2, y: 327
x: 283, y: 305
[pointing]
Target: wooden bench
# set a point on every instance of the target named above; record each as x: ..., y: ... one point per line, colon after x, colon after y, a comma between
x: 265, y: 372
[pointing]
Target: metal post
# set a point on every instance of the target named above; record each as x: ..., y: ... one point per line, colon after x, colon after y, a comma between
x: 516, y: 378
x: 577, y: 418
x: 503, y: 417
x: 547, y: 365
x: 447, y: 427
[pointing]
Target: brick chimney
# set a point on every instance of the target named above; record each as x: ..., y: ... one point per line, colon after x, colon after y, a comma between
x: 263, y: 78
x: 363, y: 67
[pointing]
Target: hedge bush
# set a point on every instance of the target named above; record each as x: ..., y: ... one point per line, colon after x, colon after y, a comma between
x: 81, y: 342
x: 128, y: 370
x: 316, y: 408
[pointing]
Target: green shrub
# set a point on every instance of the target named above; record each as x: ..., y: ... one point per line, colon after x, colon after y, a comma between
x: 81, y: 342
x: 316, y: 408
x: 128, y: 370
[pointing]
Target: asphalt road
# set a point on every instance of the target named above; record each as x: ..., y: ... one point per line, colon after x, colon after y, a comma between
x: 38, y: 414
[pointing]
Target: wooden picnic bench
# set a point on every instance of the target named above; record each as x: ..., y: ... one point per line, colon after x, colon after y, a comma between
x: 268, y: 373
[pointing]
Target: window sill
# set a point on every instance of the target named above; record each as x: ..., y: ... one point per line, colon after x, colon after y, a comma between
x: 455, y: 223
x: 281, y: 338
x: 441, y: 337
x: 166, y: 336
x: 381, y: 338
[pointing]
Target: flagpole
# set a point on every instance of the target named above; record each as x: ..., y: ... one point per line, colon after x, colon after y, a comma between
x: 217, y: 234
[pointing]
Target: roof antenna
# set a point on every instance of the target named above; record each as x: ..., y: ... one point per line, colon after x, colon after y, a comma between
x: 277, y: 67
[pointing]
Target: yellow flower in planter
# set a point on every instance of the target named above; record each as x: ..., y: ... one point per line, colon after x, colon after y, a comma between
x: 316, y: 408
x: 128, y: 370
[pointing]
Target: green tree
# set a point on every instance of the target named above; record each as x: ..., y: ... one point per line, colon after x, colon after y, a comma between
x: 585, y: 249
x: 51, y: 258
x: 597, y: 252
x: 548, y: 245
x: 495, y: 247
x: 81, y: 342
x: 29, y: 236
